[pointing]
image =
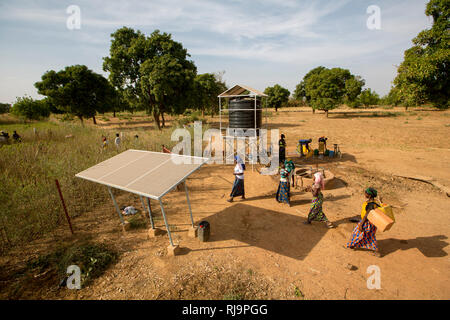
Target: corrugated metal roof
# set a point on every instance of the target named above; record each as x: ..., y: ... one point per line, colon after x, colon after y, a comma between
x: 238, y: 90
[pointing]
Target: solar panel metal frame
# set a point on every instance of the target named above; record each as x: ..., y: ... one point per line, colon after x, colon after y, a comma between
x: 141, y: 193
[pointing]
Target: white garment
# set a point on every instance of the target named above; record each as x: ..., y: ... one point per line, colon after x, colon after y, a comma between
x: 238, y: 169
x: 130, y: 210
x: 117, y: 141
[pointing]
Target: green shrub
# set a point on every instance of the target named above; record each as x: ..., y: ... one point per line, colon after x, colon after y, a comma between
x: 4, y: 108
x: 30, y: 109
x: 93, y: 260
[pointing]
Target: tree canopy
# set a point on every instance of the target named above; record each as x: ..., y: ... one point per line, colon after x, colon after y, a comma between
x: 423, y: 76
x: 325, y: 89
x: 368, y: 98
x: 207, y: 87
x: 300, y: 92
x: 153, y: 72
x: 77, y: 90
x: 4, y: 108
x: 277, y: 96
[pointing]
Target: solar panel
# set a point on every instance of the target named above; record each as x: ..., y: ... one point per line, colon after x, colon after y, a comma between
x: 146, y: 173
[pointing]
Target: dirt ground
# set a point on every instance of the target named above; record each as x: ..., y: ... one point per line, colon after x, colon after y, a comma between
x: 260, y: 249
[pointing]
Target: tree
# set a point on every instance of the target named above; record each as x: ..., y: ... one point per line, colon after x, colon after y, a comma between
x: 30, y: 108
x: 76, y: 90
x: 392, y: 98
x: 340, y: 86
x: 327, y: 88
x: 423, y: 76
x: 300, y: 91
x: 277, y: 96
x: 369, y: 98
x: 207, y: 87
x: 353, y: 88
x: 4, y: 108
x: 152, y: 72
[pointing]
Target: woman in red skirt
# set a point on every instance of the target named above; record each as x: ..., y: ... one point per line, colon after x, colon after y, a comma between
x: 363, y: 235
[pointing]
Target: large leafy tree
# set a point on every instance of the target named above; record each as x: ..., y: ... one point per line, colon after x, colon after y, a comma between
x: 77, y: 90
x: 277, y: 96
x: 152, y: 73
x: 300, y: 91
x: 327, y: 88
x: 207, y: 87
x: 424, y: 76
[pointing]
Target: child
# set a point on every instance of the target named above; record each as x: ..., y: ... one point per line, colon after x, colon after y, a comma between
x: 117, y: 141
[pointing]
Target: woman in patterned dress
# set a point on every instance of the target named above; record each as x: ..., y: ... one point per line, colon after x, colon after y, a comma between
x: 363, y: 235
x: 315, y: 212
x: 284, y: 190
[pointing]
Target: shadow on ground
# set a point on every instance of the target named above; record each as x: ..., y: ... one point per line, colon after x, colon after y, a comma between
x: 275, y: 231
x: 430, y: 247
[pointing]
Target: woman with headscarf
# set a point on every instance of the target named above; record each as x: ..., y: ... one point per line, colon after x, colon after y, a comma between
x: 363, y: 235
x: 284, y: 190
x: 315, y: 212
x: 238, y: 186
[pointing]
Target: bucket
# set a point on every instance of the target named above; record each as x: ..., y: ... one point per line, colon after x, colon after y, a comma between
x: 380, y: 220
x: 331, y: 154
x: 203, y: 231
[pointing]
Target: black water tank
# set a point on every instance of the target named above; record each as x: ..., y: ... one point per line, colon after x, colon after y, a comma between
x: 241, y: 113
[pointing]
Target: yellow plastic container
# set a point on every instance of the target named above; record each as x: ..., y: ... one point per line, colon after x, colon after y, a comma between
x: 387, y: 210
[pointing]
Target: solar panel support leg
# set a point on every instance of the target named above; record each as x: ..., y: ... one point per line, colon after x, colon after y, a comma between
x: 143, y: 204
x: 117, y: 207
x: 150, y: 213
x: 189, y: 203
x: 165, y: 222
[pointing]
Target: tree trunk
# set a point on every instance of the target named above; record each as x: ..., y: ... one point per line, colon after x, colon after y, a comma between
x: 156, y: 117
x: 81, y: 119
x: 326, y: 112
x: 406, y: 108
x: 163, y: 120
x: 93, y: 118
x: 313, y: 110
x: 114, y: 113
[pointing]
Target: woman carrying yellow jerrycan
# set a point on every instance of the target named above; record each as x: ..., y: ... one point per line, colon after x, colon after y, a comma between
x: 363, y: 236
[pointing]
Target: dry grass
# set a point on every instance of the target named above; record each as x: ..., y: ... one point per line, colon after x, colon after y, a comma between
x: 29, y: 201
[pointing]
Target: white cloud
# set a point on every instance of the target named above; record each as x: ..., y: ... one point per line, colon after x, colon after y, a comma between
x: 288, y: 35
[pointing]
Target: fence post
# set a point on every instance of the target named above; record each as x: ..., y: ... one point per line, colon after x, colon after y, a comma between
x: 64, y: 205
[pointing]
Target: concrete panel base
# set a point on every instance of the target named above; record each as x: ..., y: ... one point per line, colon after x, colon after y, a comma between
x: 192, y: 233
x: 154, y: 232
x: 173, y: 250
x: 125, y: 226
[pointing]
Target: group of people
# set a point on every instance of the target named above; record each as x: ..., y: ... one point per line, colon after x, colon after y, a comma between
x: 117, y: 141
x: 363, y: 235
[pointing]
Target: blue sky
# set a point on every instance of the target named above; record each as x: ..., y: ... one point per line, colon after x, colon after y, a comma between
x: 257, y: 43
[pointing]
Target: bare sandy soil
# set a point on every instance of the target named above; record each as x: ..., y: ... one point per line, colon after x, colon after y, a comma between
x: 260, y: 249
